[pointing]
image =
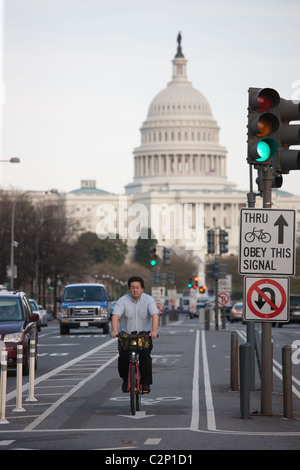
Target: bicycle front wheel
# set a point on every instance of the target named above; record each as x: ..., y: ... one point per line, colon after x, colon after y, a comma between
x: 132, y: 389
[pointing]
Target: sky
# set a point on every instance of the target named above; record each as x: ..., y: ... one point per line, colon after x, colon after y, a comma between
x: 78, y: 76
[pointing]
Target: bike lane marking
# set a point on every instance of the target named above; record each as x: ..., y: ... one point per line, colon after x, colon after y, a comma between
x: 210, y: 412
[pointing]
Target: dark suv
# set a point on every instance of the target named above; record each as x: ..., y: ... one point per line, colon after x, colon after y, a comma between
x: 294, y: 308
x: 17, y: 326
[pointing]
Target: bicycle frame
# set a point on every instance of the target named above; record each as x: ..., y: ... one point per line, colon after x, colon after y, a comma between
x: 134, y: 360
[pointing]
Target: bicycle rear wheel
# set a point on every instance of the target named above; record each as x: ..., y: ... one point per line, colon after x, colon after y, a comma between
x: 133, y: 393
x: 137, y: 401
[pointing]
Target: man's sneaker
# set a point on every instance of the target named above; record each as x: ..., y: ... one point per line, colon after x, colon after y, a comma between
x: 124, y: 387
x: 146, y: 388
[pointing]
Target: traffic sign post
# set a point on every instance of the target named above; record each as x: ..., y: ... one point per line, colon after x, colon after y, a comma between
x: 266, y: 299
x: 267, y: 242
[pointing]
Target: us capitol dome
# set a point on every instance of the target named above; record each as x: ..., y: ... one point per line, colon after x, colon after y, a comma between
x: 179, y: 140
x: 179, y: 163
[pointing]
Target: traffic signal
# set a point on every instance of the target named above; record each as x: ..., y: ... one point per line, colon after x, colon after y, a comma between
x: 202, y: 289
x: 223, y: 242
x: 289, y: 134
x: 166, y: 256
x: 196, y: 279
x: 171, y: 277
x: 210, y: 241
x: 153, y: 259
x: 263, y: 125
x: 190, y: 284
x: 276, y: 179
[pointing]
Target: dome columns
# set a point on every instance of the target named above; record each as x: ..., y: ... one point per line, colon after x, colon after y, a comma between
x: 179, y: 164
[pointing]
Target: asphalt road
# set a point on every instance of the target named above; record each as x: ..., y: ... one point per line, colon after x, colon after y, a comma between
x: 78, y: 403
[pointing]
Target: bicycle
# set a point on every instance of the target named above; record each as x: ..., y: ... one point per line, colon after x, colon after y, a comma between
x: 265, y: 237
x: 134, y: 343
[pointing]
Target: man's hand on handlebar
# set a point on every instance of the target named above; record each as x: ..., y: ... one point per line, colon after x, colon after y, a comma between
x: 153, y: 334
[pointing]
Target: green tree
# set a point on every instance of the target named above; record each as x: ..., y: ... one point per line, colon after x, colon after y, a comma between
x: 98, y: 251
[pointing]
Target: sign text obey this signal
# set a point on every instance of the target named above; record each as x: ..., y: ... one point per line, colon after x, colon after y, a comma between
x: 266, y: 299
x: 267, y: 242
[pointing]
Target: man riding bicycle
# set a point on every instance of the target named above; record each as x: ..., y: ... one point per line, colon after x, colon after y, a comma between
x: 136, y: 311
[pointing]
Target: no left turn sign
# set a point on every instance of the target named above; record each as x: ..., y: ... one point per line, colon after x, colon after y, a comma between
x: 266, y: 299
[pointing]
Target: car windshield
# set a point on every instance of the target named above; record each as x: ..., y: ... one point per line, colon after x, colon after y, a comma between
x: 33, y: 304
x: 88, y: 293
x: 239, y: 305
x: 10, y: 310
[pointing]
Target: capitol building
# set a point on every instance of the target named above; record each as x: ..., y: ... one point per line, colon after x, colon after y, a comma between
x: 179, y: 187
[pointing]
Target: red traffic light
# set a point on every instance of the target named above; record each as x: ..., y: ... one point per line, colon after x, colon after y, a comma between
x: 264, y: 99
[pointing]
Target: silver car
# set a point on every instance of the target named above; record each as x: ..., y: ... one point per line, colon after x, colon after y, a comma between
x: 236, y: 313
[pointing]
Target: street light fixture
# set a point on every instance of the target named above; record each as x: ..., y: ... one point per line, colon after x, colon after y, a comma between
x: 12, y: 160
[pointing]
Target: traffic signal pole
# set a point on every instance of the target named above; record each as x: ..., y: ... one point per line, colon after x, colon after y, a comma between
x: 266, y: 339
x: 270, y: 136
x: 250, y: 326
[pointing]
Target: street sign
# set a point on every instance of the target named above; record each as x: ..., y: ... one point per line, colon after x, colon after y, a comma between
x: 266, y: 299
x: 159, y: 296
x: 172, y: 298
x: 267, y: 242
x: 225, y: 285
x: 223, y: 299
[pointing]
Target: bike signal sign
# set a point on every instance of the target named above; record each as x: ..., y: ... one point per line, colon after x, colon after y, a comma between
x: 266, y: 299
x: 267, y: 242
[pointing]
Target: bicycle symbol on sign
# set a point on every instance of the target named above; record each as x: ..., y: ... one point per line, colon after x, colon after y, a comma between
x: 262, y: 236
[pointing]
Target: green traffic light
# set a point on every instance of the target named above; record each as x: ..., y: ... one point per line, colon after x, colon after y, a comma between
x: 263, y: 151
x: 153, y: 262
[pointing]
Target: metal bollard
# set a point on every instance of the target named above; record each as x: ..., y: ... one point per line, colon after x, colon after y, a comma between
x: 234, y: 362
x: 31, y: 396
x: 207, y: 318
x: 245, y: 380
x: 287, y: 381
x: 19, y: 407
x: 3, y: 382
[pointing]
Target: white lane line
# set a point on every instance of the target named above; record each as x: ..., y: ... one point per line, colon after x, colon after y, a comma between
x: 152, y: 441
x: 55, y: 405
x: 211, y: 422
x: 195, y: 389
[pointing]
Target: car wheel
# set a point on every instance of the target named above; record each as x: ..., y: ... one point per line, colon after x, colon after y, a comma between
x: 64, y: 330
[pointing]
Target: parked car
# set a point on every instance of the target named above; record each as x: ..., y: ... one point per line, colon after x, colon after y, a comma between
x: 236, y: 313
x: 43, y: 315
x: 35, y: 309
x: 18, y: 326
